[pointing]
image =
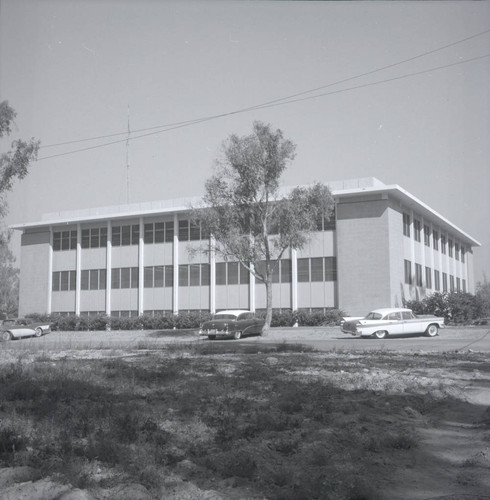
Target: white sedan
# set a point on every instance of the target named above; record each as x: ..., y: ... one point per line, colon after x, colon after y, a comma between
x: 22, y: 327
x: 383, y: 322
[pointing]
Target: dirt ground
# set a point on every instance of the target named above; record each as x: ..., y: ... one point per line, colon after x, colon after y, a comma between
x: 451, y: 461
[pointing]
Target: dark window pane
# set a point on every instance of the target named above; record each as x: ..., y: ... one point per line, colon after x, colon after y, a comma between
x: 330, y: 269
x: 303, y: 270
x: 276, y: 273
x: 84, y: 278
x: 148, y: 277
x: 65, y: 240
x: 73, y: 280
x: 56, y: 281
x: 169, y: 276
x: 205, y: 274
x: 183, y: 230
x: 73, y: 240
x: 169, y: 232
x: 135, y: 277
x: 148, y: 233
x: 195, y: 232
x: 194, y: 275
x: 102, y: 279
x: 125, y: 277
x: 126, y: 235
x: 244, y: 275
x: 260, y: 270
x: 232, y: 273
x: 159, y: 274
x: 94, y: 238
x: 116, y: 277
x: 184, y: 275
x: 286, y: 271
x: 103, y: 236
x: 159, y: 232
x: 317, y: 269
x: 221, y: 273
x: 57, y: 240
x: 94, y: 279
x: 135, y: 234
x: 85, y: 238
x: 116, y: 236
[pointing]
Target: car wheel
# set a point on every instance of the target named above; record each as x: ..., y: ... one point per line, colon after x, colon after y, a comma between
x: 7, y: 336
x: 237, y: 335
x: 212, y: 337
x: 380, y: 334
x: 39, y: 332
x: 432, y: 330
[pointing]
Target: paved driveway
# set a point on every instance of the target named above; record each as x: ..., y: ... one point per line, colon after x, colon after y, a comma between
x: 321, y: 338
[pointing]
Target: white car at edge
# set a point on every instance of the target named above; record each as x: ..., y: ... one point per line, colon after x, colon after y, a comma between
x: 381, y: 323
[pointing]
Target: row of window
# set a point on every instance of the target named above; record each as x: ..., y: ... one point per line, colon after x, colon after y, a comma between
x: 454, y: 284
x: 154, y: 232
x: 447, y: 247
x: 227, y: 273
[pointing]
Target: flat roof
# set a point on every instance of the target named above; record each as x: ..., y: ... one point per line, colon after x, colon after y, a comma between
x: 340, y: 189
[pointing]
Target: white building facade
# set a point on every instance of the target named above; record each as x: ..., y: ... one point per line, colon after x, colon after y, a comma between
x: 382, y: 246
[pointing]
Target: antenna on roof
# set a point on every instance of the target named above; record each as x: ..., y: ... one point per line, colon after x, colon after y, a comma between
x: 127, y: 161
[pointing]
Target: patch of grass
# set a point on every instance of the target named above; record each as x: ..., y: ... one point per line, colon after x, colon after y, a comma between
x: 283, y: 422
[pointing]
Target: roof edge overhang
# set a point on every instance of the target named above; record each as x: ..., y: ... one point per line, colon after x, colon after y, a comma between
x: 395, y: 192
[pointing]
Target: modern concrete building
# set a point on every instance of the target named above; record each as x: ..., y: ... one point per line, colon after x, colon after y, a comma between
x: 383, y: 246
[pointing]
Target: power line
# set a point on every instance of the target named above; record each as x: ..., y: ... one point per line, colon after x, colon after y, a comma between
x: 264, y: 106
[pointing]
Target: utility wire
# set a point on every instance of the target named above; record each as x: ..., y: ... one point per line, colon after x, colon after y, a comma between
x: 259, y: 106
x: 264, y: 106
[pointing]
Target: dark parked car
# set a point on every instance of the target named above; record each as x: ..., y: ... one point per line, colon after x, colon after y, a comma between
x: 22, y: 327
x: 232, y: 324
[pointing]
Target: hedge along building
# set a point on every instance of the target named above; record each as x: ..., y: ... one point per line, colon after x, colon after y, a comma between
x: 381, y: 246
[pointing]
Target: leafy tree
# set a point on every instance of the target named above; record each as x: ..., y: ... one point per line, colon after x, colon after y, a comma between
x: 14, y: 165
x: 249, y: 218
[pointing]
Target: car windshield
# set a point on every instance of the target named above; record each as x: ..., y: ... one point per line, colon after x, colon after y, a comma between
x: 224, y: 316
x: 373, y: 315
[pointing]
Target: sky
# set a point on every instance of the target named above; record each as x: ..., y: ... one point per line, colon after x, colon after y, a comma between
x: 403, y: 96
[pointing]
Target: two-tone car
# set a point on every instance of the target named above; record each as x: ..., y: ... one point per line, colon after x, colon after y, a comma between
x: 234, y: 323
x: 382, y: 323
x: 15, y: 328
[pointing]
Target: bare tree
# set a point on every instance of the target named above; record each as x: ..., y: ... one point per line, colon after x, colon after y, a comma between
x: 246, y: 213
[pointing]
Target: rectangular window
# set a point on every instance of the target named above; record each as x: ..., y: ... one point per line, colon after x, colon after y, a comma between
x: 84, y: 279
x: 451, y: 283
x: 148, y: 277
x: 195, y: 275
x: 450, y: 247
x: 276, y: 272
x: 64, y: 240
x: 426, y: 236
x: 443, y: 244
x: 435, y: 240
x: 462, y: 254
x: 437, y: 283
x: 418, y: 274
x: 458, y: 284
x: 159, y: 276
x: 330, y: 269
x: 183, y: 275
x: 286, y: 271
x: 116, y: 278
x: 233, y: 273
x: 135, y: 277
x: 56, y: 281
x: 149, y: 233
x: 125, y: 277
x: 408, y: 272
x: 244, y: 275
x: 183, y: 230
x: 125, y: 235
x: 329, y: 225
x: 56, y: 241
x: 303, y: 270
x: 428, y: 278
x: 317, y: 269
x: 195, y: 231
x: 169, y: 276
x: 160, y: 232
x: 102, y: 278
x: 135, y: 234
x: 464, y: 286
x: 205, y: 274
x: 116, y: 236
x: 85, y: 238
x: 169, y: 232
x: 103, y: 237
x: 416, y: 230
x: 456, y: 251
x: 406, y: 225
x: 221, y: 273
x: 444, y: 282
x: 94, y: 238
x: 94, y: 279
x: 65, y: 281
